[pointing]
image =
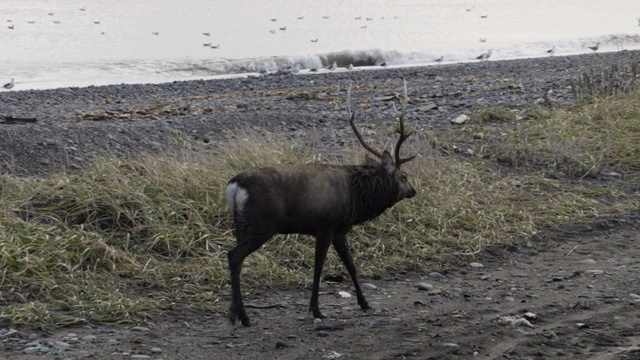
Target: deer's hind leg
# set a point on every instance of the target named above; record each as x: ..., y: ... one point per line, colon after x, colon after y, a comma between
x: 248, y: 240
x: 323, y: 241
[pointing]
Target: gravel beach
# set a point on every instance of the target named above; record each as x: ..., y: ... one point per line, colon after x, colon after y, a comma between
x: 75, y: 124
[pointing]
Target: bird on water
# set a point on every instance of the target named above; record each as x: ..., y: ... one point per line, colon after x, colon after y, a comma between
x: 8, y: 85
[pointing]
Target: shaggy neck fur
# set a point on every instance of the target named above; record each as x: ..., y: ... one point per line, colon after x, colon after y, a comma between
x: 372, y: 191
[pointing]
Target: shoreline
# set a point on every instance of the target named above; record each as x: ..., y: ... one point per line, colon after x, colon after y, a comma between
x: 75, y: 124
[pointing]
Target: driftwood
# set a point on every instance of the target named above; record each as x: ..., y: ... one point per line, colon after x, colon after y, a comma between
x: 16, y: 120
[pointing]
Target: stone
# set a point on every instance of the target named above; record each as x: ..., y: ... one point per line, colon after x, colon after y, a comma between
x: 460, y: 119
x: 369, y: 286
x: 424, y: 286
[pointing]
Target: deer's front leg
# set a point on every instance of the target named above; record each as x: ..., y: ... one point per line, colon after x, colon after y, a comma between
x: 340, y: 244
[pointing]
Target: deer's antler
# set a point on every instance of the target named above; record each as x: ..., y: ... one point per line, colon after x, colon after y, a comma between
x: 403, y: 136
x: 355, y: 129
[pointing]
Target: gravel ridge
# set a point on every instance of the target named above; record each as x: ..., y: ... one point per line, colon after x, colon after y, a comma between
x: 76, y: 124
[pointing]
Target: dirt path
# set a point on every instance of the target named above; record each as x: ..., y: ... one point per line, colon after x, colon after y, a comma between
x: 582, y: 288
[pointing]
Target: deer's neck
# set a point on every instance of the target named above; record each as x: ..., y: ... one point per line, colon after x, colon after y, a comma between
x: 372, y: 192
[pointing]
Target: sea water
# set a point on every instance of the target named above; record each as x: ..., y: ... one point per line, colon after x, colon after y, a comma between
x: 60, y: 43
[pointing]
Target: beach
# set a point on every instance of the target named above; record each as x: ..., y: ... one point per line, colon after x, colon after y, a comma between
x: 74, y: 125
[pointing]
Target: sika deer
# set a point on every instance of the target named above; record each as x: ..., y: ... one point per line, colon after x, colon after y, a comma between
x: 321, y: 200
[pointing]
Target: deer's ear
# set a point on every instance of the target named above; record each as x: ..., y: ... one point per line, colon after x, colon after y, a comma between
x: 387, y: 162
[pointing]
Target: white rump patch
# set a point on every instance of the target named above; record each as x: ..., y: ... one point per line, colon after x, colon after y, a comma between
x: 236, y: 197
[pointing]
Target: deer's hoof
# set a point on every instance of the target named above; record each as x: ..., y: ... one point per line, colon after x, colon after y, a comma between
x: 234, y: 315
x: 244, y: 319
x: 317, y: 314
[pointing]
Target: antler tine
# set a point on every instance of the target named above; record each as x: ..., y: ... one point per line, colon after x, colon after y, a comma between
x: 403, y: 136
x: 355, y: 129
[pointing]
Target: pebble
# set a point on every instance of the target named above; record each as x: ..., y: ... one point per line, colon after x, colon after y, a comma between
x: 460, y: 119
x: 139, y: 328
x: 139, y: 356
x: 424, y: 286
x: 155, y: 350
x: 594, y: 272
x: 344, y: 294
x: 112, y: 342
x: 89, y: 338
x: 476, y: 265
x: 369, y: 286
x: 451, y: 347
x: 323, y: 333
x: 435, y: 275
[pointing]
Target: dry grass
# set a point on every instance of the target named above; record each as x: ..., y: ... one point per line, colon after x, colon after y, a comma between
x: 129, y: 238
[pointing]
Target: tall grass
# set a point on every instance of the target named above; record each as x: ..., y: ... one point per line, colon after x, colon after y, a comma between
x: 126, y: 239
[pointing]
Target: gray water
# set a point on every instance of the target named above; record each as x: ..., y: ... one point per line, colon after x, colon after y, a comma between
x: 93, y: 42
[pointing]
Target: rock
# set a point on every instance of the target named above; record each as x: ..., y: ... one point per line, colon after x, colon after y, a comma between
x: 435, y: 275
x: 323, y: 333
x: 281, y: 345
x: 427, y: 107
x: 460, y: 119
x: 476, y: 265
x: 42, y: 348
x: 424, y: 286
x: 155, y: 350
x: 515, y: 321
x: 333, y: 355
x: 594, y: 272
x: 140, y: 356
x: 369, y: 286
x: 530, y: 316
x: 88, y: 338
x: 612, y: 174
x: 451, y: 347
x: 139, y: 328
x: 344, y: 294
